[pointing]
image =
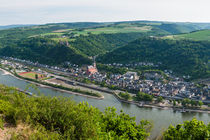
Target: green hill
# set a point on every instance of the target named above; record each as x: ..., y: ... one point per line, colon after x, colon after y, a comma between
x: 197, y: 35
x: 177, y: 28
x: 98, y: 44
x: 10, y: 36
x: 45, y: 51
x: 183, y: 57
x: 85, y: 39
x: 57, y: 118
x: 46, y: 118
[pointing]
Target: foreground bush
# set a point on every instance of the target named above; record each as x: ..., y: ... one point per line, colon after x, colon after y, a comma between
x: 62, y: 118
x: 189, y: 130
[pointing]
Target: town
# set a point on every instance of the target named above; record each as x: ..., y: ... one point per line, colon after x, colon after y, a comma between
x: 151, y: 82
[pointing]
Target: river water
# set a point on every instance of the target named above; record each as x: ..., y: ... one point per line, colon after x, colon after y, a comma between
x: 161, y: 119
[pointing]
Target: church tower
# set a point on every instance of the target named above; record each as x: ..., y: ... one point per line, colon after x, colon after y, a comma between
x: 94, y: 62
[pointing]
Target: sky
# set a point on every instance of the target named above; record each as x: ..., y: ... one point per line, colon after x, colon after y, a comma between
x: 55, y: 11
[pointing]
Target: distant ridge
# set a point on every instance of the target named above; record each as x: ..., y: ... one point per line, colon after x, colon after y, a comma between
x: 15, y: 26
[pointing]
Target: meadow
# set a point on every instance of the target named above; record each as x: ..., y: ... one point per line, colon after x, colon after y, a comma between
x: 198, y: 35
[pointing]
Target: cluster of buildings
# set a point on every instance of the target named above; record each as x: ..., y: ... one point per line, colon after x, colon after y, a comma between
x: 136, y: 64
x: 150, y: 82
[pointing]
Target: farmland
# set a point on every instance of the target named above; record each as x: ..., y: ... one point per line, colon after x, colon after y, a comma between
x: 113, y: 30
x: 120, y: 28
x: 198, y: 35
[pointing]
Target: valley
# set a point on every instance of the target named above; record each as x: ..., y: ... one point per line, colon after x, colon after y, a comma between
x: 148, y: 69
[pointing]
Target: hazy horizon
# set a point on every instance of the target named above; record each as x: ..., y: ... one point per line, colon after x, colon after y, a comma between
x: 15, y: 12
x: 100, y: 22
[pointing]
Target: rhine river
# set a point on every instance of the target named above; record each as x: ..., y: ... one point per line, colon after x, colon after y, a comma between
x: 161, y: 119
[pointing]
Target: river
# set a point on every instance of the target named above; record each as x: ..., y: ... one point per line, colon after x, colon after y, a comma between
x: 161, y: 119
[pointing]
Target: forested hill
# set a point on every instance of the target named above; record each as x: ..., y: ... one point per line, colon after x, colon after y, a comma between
x: 98, y: 44
x: 45, y: 51
x: 10, y: 36
x: 183, y: 57
x: 42, y: 43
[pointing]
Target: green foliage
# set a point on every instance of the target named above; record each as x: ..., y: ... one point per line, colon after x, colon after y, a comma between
x: 37, y: 133
x: 177, y: 28
x: 44, y: 51
x: 200, y: 103
x: 36, y: 76
x: 190, y: 130
x: 122, y: 126
x: 174, y: 102
x: 62, y: 118
x: 187, y: 102
x: 196, y: 35
x: 160, y: 99
x: 98, y: 44
x: 193, y: 103
x: 11, y: 36
x: 111, y: 69
x: 140, y: 96
x: 125, y: 95
x: 183, y: 57
x: 1, y: 123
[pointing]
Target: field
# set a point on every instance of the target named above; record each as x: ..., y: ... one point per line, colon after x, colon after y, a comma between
x: 32, y: 75
x: 113, y: 30
x: 120, y: 28
x: 57, y: 35
x: 199, y: 35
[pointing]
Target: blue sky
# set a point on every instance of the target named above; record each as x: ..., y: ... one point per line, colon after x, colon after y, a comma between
x: 50, y: 11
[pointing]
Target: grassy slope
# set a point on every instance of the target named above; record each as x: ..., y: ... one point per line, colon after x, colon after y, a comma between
x: 199, y: 35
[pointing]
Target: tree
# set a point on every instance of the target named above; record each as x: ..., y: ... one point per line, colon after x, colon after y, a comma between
x: 193, y: 103
x: 200, y: 103
x: 185, y: 102
x: 125, y: 95
x: 174, y: 102
x: 141, y: 96
x: 68, y: 119
x: 124, y: 126
x: 190, y: 130
x: 36, y: 76
x: 160, y: 99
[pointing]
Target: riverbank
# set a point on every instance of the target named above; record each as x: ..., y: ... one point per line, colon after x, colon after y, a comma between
x: 50, y: 87
x: 144, y: 104
x: 5, y: 72
x: 139, y: 104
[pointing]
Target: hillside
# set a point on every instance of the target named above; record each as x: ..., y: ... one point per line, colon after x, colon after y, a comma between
x: 196, y: 35
x: 98, y: 44
x: 85, y: 39
x: 60, y: 118
x: 177, y: 28
x: 183, y: 57
x: 44, y: 51
x: 10, y: 36
x: 14, y: 26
